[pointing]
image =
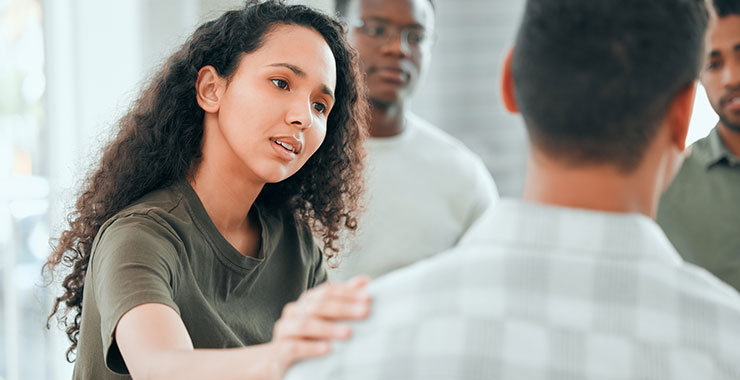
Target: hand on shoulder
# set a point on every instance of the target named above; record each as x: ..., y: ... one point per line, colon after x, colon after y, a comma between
x: 308, y: 325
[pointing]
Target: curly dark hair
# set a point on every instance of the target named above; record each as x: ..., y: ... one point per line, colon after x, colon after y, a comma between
x: 159, y: 143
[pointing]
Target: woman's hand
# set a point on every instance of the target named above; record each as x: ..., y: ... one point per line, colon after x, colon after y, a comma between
x: 308, y: 325
x: 154, y: 342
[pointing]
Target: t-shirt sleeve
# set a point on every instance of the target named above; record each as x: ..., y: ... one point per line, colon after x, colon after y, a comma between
x: 318, y: 275
x: 135, y: 262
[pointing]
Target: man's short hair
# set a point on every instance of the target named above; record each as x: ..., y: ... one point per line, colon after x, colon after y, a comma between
x: 340, y: 6
x: 726, y: 8
x: 594, y: 79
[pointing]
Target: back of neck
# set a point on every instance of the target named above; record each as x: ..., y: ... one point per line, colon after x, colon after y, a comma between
x: 597, y: 187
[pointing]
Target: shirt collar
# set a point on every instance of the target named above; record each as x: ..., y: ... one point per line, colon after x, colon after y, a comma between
x: 578, y: 231
x: 714, y: 151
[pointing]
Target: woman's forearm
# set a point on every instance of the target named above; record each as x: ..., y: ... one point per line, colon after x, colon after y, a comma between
x: 258, y: 362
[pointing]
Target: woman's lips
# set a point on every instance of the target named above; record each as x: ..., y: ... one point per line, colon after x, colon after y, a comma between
x: 286, y: 147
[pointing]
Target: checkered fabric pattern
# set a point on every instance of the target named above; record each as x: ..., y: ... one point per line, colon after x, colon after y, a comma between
x: 542, y: 292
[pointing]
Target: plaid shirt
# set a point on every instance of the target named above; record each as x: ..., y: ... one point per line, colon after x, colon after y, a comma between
x: 542, y: 292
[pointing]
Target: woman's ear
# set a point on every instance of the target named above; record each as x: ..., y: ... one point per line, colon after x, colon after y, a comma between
x: 507, y: 84
x: 209, y: 88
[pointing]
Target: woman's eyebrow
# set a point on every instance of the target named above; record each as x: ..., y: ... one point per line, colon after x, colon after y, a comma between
x: 298, y: 71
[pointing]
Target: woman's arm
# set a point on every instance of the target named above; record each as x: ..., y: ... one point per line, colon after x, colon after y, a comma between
x: 155, y: 344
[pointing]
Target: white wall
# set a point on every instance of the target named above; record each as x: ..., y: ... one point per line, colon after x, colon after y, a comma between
x: 461, y: 91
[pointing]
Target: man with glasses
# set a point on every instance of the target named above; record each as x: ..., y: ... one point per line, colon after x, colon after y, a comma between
x: 425, y: 188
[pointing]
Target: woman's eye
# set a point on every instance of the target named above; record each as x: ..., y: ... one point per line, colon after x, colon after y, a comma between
x: 280, y: 83
x: 321, y: 107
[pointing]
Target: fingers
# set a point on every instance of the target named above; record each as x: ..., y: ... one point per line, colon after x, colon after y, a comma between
x: 335, y: 301
x: 327, y: 307
x: 315, y: 314
x: 307, y: 325
x: 352, y: 290
x: 311, y: 328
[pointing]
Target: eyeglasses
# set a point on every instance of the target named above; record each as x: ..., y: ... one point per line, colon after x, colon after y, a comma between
x: 382, y: 32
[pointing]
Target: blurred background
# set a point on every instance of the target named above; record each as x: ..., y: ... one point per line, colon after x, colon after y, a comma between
x: 70, y: 68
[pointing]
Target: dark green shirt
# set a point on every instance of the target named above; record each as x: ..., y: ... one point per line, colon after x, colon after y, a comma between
x: 700, y: 211
x: 165, y: 249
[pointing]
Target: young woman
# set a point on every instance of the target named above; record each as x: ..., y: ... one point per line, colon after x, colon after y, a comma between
x: 195, y: 230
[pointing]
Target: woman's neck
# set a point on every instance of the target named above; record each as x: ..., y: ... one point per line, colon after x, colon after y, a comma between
x: 227, y: 194
x: 228, y: 202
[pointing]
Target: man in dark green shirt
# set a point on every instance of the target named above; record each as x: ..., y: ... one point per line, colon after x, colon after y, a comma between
x: 700, y: 212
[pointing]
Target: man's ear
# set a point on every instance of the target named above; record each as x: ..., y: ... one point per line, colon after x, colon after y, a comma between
x: 679, y: 115
x: 507, y: 84
x: 209, y: 88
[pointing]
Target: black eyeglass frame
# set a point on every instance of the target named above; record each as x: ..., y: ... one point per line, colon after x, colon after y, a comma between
x: 385, y: 37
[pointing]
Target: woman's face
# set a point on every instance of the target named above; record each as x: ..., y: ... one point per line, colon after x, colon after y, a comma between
x: 274, y: 111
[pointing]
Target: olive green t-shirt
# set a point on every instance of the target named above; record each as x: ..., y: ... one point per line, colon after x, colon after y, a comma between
x: 700, y: 211
x: 165, y: 249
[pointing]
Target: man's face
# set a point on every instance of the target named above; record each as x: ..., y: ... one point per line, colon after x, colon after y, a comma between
x: 721, y: 74
x: 393, y: 39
